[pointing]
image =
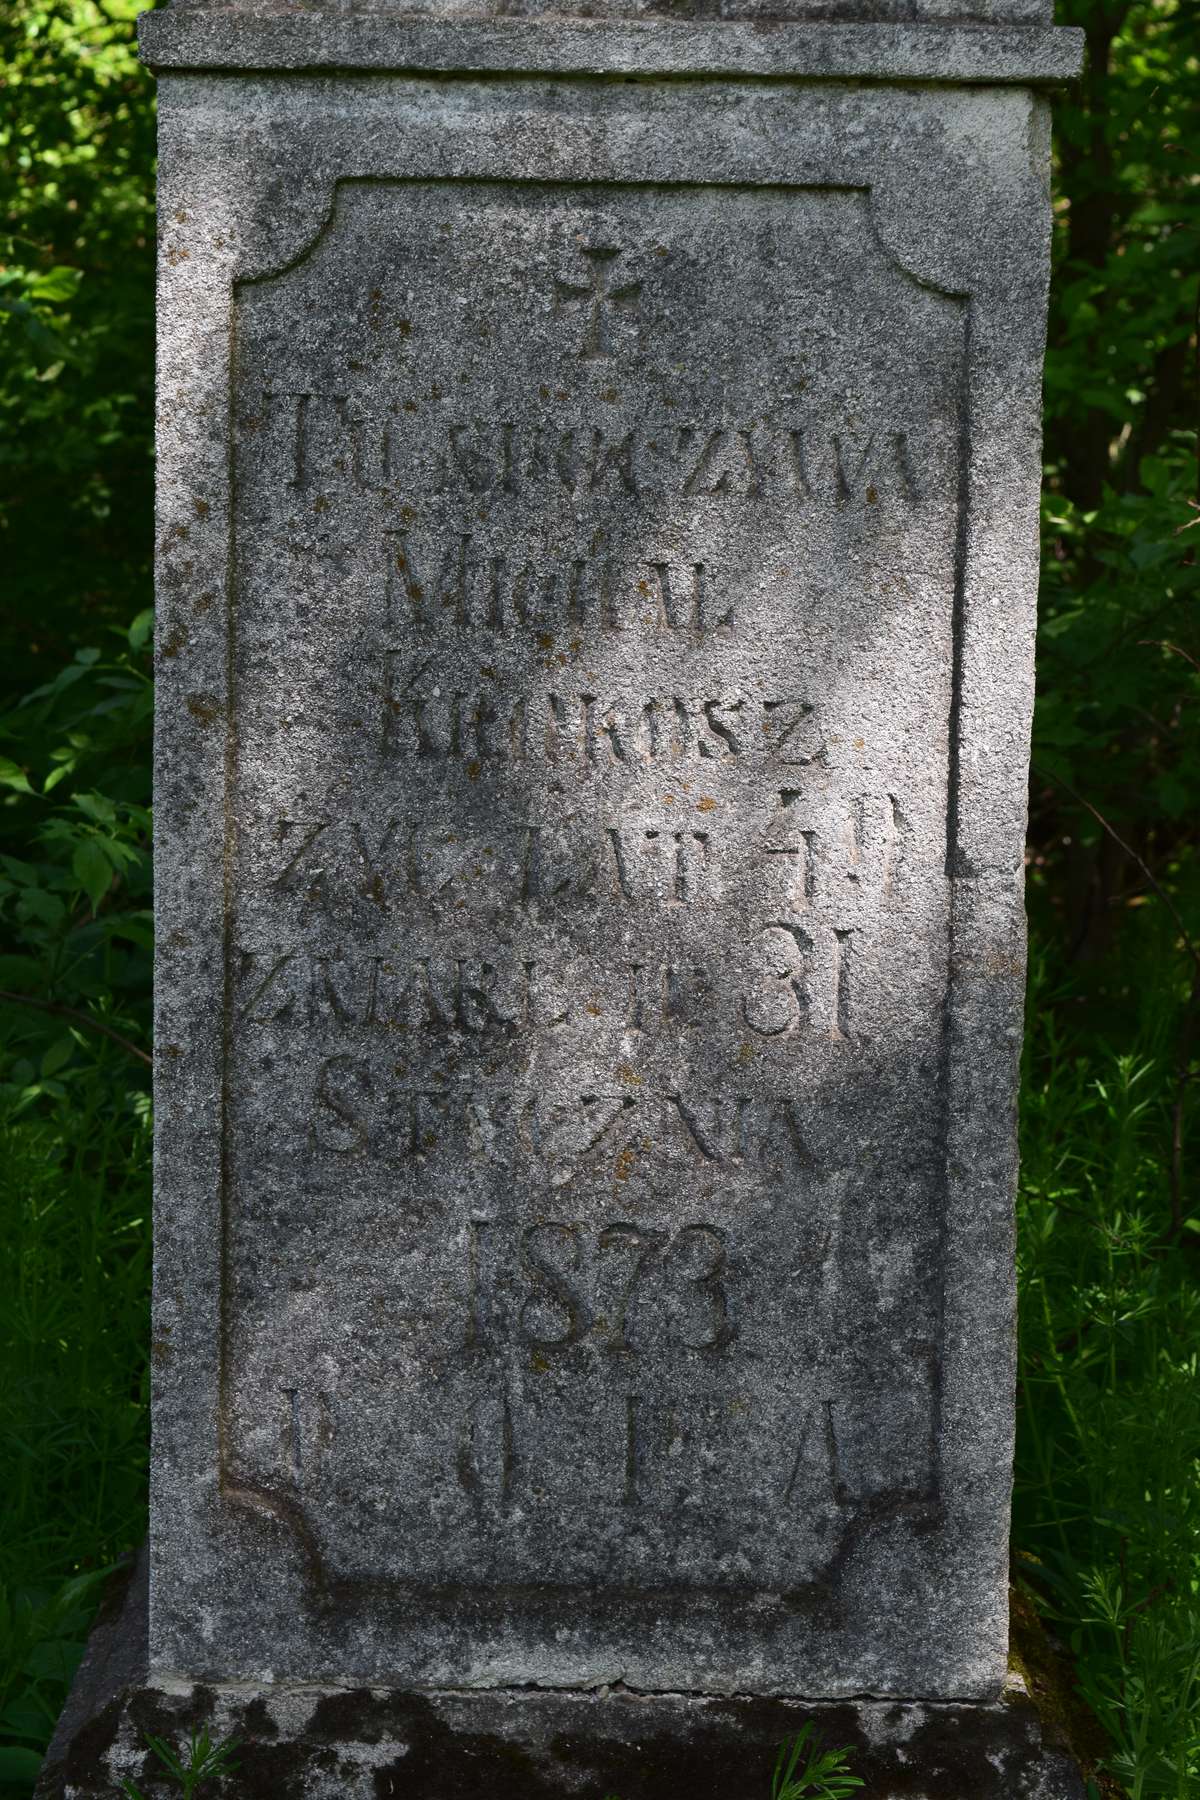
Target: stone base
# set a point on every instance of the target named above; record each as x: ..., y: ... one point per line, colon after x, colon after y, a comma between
x: 306, y: 1743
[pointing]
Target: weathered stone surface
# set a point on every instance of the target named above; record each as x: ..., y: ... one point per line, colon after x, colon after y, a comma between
x: 200, y: 37
x: 597, y: 566
x: 308, y: 1743
x: 654, y: 13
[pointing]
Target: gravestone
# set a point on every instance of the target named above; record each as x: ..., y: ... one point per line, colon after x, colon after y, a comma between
x: 599, y: 464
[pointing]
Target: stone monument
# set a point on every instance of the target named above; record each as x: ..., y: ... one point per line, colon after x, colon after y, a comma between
x: 598, y: 475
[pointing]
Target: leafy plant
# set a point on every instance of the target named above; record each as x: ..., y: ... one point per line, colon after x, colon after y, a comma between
x: 1107, y: 1503
x: 76, y: 328
x: 824, y: 1775
x: 1148, y: 1687
x: 206, y: 1761
x: 42, y: 1637
x: 75, y: 900
x: 74, y: 1166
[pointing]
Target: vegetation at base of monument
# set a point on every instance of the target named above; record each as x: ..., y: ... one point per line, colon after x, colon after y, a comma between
x: 204, y: 1761
x: 1107, y: 1503
x: 41, y: 1633
x: 824, y: 1775
x: 1107, y: 1509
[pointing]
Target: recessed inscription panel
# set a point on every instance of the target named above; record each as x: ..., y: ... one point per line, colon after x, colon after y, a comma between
x: 594, y: 653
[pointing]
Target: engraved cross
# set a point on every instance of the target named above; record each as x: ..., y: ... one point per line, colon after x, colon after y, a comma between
x: 600, y: 297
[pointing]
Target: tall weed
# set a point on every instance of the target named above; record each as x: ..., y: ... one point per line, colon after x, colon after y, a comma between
x: 75, y: 1133
x: 1107, y: 1507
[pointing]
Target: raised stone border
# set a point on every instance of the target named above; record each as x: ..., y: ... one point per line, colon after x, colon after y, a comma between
x: 203, y: 38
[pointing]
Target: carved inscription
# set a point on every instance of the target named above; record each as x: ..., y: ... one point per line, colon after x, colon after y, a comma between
x: 656, y: 1451
x: 602, y: 296
x: 627, y: 1287
x: 792, y: 977
x: 802, y: 855
x: 332, y: 865
x: 589, y: 906
x: 309, y: 1426
x: 466, y: 588
x: 358, y: 1111
x: 331, y: 443
x: 424, y: 718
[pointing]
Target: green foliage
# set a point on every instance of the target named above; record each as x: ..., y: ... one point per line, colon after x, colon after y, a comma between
x: 76, y: 327
x: 205, y: 1761
x: 42, y: 1635
x: 1107, y: 1505
x: 74, y: 1325
x: 1118, y: 715
x: 824, y: 1776
x: 76, y: 135
x: 74, y: 1166
x: 75, y: 870
x: 1119, y: 684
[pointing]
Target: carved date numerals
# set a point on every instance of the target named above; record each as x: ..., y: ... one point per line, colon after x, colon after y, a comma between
x: 555, y: 1313
x: 624, y: 1288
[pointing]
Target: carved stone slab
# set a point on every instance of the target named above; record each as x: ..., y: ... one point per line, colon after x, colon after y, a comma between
x: 597, y: 567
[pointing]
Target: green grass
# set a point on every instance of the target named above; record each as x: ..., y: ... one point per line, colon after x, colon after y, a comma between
x: 1107, y: 1507
x: 199, y: 1763
x: 821, y: 1775
x: 74, y: 1330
